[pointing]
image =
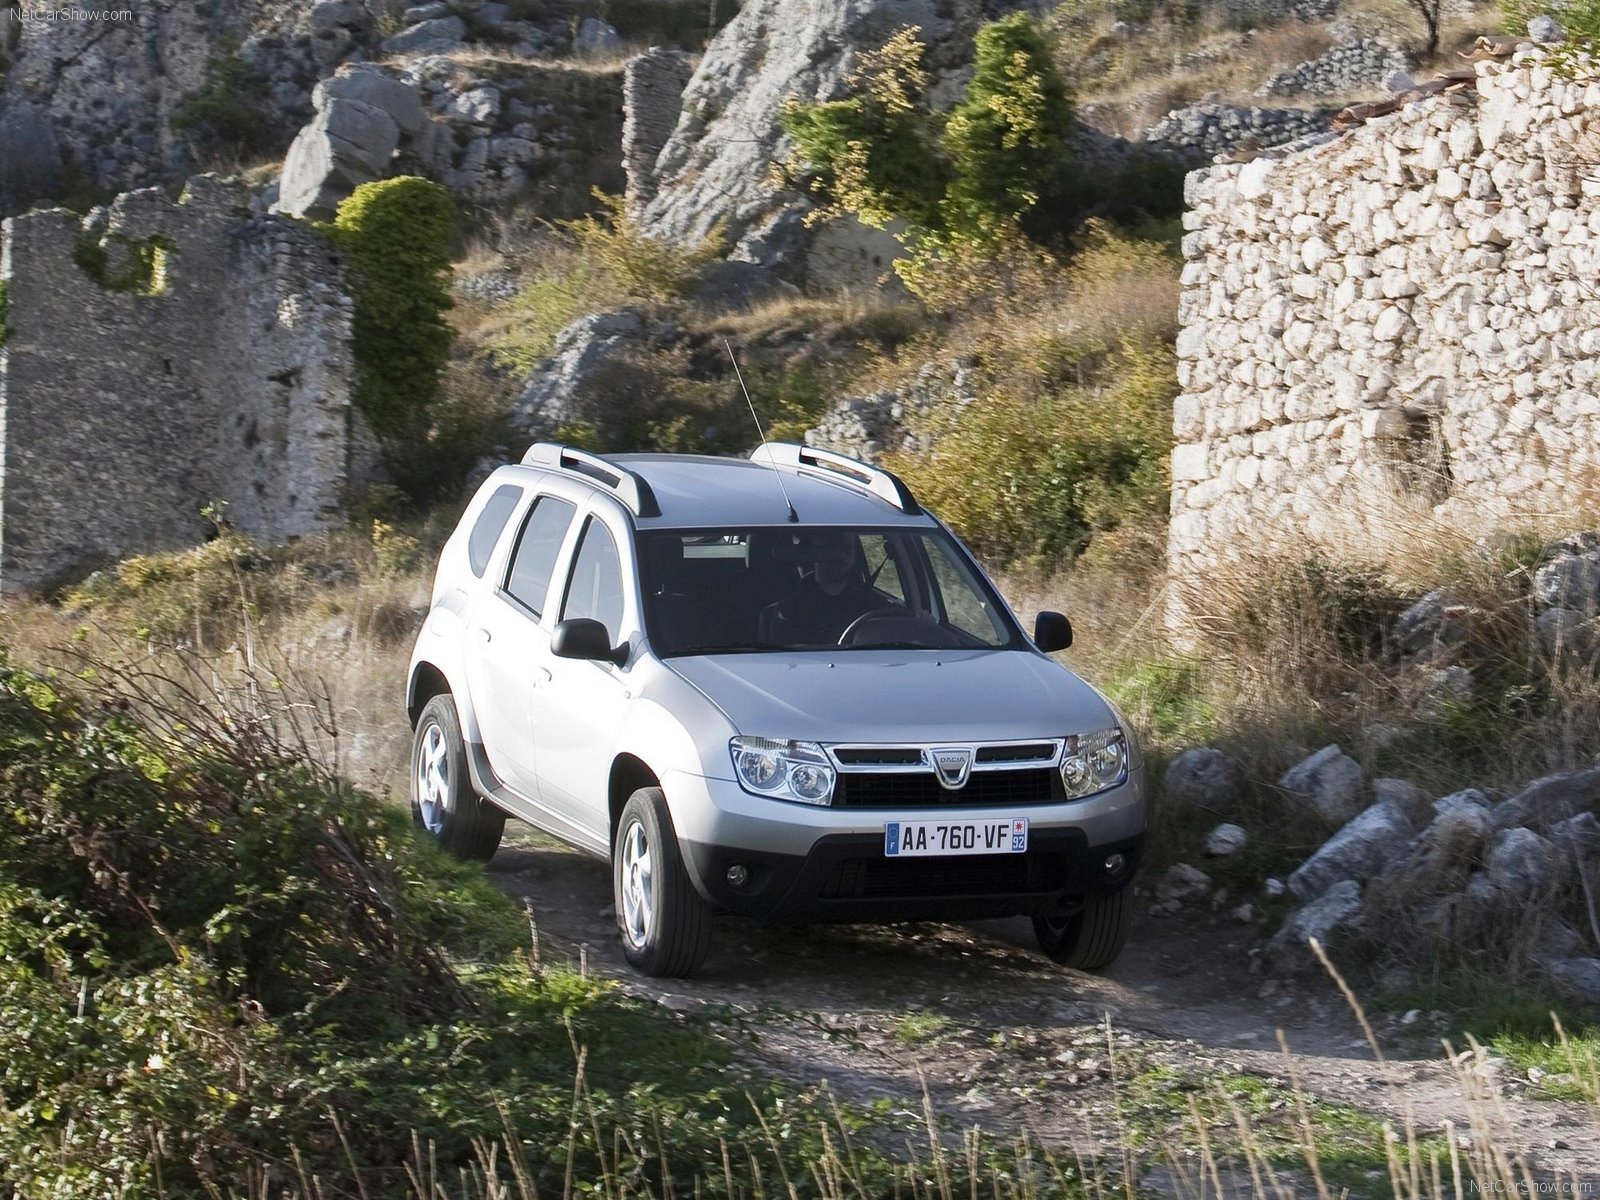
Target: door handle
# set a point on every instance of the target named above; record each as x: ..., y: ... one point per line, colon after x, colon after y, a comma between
x: 540, y: 675
x: 484, y: 635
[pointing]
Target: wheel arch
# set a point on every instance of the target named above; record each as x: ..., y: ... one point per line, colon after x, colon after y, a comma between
x: 629, y: 773
x: 426, y: 682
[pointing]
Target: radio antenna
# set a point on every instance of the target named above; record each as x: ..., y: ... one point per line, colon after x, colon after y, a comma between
x: 739, y: 375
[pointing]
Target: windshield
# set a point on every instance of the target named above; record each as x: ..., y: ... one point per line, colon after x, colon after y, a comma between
x: 813, y: 588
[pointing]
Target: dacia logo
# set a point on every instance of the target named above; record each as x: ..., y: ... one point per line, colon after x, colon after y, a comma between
x: 952, y: 764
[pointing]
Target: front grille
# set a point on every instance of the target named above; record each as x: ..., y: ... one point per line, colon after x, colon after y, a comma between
x: 1032, y: 752
x: 921, y: 789
x: 879, y: 756
x: 971, y: 875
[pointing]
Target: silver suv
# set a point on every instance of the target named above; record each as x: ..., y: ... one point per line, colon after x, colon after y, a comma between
x: 775, y: 687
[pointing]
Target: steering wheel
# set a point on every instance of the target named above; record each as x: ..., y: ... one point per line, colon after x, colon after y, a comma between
x: 890, y: 625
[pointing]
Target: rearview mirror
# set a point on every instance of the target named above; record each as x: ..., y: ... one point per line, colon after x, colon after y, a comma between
x: 586, y: 638
x: 1051, y: 632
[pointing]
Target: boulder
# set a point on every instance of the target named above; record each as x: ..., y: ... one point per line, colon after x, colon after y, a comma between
x: 1566, y: 633
x: 1441, y: 858
x: 437, y: 36
x: 362, y: 115
x: 1444, y: 690
x: 561, y: 389
x: 596, y: 38
x: 1407, y: 796
x: 1329, y: 782
x: 1571, y: 578
x: 1546, y: 31
x: 1364, y: 848
x: 1550, y: 800
x: 1522, y: 867
x: 1578, y: 978
x: 1204, y: 777
x: 1226, y: 840
x: 1433, y: 625
x: 738, y: 287
x: 1181, y: 883
x: 1323, y: 918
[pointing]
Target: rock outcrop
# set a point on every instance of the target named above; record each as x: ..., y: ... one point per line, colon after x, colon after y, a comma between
x: 714, y: 171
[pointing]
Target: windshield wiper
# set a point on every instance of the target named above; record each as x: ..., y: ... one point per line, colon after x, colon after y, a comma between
x: 727, y: 648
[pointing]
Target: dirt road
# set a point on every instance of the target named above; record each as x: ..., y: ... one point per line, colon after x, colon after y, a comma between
x: 1006, y: 1041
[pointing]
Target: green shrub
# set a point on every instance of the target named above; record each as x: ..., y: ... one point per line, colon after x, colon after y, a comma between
x: 1007, y: 139
x: 396, y: 237
x: 123, y: 264
x: 228, y: 114
x: 1028, y: 480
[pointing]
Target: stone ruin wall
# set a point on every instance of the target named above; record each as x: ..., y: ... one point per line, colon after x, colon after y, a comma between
x: 123, y: 414
x: 1398, y: 325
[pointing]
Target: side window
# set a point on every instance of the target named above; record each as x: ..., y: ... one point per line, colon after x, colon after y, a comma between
x: 486, y: 529
x: 964, y: 605
x: 534, y: 559
x: 595, y: 588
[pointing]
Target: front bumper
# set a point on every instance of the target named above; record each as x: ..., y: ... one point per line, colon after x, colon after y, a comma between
x: 828, y: 864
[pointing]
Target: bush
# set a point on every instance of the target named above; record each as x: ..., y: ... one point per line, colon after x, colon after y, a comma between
x: 396, y: 236
x: 216, y: 960
x: 1007, y: 139
x: 1028, y: 480
x: 228, y: 115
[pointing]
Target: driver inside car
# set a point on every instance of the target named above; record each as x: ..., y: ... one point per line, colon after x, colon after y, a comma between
x: 832, y: 594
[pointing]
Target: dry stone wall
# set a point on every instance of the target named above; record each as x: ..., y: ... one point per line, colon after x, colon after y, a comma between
x: 1402, y: 319
x: 223, y: 375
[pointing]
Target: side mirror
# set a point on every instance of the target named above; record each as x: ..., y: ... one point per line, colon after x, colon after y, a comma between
x: 1051, y: 632
x: 584, y: 637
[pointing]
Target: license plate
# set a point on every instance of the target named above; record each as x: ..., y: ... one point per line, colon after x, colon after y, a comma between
x: 929, y: 839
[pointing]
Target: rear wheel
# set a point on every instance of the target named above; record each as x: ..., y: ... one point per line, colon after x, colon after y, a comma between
x: 442, y: 800
x: 665, y: 924
x: 1091, y: 937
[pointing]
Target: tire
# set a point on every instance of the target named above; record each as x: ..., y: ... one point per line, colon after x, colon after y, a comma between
x: 665, y: 925
x: 1091, y: 938
x: 443, y: 803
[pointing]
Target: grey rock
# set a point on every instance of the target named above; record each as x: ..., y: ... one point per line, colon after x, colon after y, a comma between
x: 596, y: 38
x: 478, y: 105
x: 1329, y: 782
x: 738, y: 286
x: 1554, y: 940
x: 1204, y: 777
x: 559, y: 391
x: 1181, y: 883
x: 30, y: 157
x: 492, y: 15
x: 377, y: 88
x: 338, y: 14
x: 1522, y: 866
x: 1201, y: 131
x: 1546, y: 30
x: 1364, y: 848
x: 1442, y: 857
x: 1571, y: 579
x: 438, y: 36
x: 1578, y: 835
x: 1578, y: 978
x: 1407, y: 796
x: 347, y: 144
x: 1335, y: 910
x: 1549, y: 800
x: 1566, y: 633
x: 1400, y: 81
x: 1443, y: 691
x: 427, y: 12
x: 1433, y: 624
x: 1226, y: 840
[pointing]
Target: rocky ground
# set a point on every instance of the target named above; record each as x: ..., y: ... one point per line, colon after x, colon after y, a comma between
x: 1005, y: 1041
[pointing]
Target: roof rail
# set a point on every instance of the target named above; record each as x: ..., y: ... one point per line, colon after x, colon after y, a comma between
x: 629, y: 486
x: 886, y: 485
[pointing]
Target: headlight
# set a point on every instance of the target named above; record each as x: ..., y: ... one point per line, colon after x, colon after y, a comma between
x: 783, y: 770
x: 1094, y: 762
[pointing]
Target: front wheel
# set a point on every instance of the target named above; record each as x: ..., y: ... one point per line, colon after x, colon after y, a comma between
x: 665, y: 924
x: 1089, y: 938
x: 442, y: 800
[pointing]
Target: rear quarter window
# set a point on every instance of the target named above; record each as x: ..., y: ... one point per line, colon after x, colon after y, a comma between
x: 491, y: 522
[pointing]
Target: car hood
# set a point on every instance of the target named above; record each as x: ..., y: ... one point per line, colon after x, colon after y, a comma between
x: 897, y: 695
